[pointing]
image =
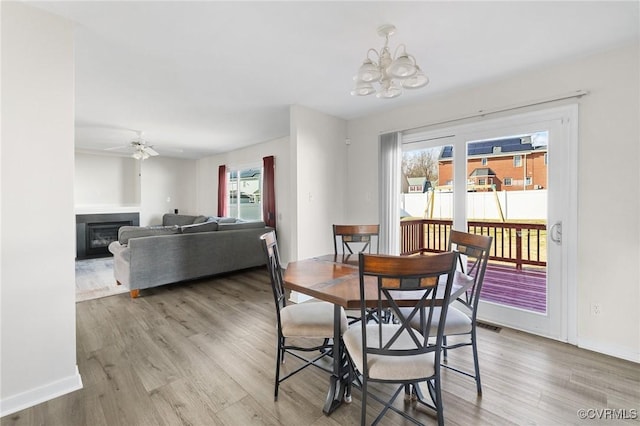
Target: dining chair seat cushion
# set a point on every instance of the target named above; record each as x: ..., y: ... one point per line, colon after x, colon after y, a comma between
x: 311, y: 319
x: 457, y: 321
x: 385, y: 367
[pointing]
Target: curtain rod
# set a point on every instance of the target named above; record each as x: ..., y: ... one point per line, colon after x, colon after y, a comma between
x: 482, y: 113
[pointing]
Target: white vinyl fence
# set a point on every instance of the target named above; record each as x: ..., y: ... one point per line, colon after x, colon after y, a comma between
x: 515, y: 205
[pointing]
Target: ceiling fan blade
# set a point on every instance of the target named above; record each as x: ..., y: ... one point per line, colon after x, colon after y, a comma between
x: 152, y: 152
x: 116, y: 148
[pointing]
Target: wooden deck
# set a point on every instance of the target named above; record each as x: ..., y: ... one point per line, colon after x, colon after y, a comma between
x: 521, y: 288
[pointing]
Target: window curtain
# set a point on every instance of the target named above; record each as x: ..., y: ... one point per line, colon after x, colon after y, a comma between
x: 268, y: 192
x: 390, y: 162
x: 222, y: 191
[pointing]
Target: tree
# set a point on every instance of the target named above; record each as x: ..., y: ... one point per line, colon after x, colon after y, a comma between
x: 420, y: 164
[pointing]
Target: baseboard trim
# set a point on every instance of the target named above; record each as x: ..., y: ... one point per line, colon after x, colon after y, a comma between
x: 614, y: 351
x: 41, y: 394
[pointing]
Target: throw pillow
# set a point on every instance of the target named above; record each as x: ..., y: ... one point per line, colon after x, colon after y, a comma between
x: 199, y: 219
x: 125, y: 233
x: 199, y: 227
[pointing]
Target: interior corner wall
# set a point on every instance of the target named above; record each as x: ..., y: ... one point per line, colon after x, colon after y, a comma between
x: 38, y: 324
x: 608, y: 252
x: 207, y: 183
x: 106, y: 180
x: 319, y: 170
x: 166, y: 184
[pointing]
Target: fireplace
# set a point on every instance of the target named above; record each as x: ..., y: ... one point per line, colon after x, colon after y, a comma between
x: 94, y: 232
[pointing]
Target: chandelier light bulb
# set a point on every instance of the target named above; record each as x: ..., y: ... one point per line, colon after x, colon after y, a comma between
x: 416, y: 81
x: 392, y: 74
x: 389, y: 90
x: 402, y: 67
x: 363, y: 89
x: 369, y: 72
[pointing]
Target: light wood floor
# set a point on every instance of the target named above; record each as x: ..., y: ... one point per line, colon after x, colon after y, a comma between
x: 202, y: 353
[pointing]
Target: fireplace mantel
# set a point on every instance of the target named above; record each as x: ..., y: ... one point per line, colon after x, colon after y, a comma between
x: 106, y: 209
x: 95, y: 231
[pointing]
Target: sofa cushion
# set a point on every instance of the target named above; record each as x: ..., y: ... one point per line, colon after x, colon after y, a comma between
x: 170, y: 219
x: 199, y: 227
x: 127, y: 232
x: 240, y: 225
x: 223, y: 219
x: 200, y: 219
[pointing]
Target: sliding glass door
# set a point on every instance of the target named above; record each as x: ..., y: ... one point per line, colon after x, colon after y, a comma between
x: 513, y: 179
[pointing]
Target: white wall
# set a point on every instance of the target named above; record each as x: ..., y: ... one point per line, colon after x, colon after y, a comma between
x: 106, y: 180
x: 608, y: 254
x: 38, y: 337
x: 152, y: 187
x: 167, y: 184
x: 207, y: 183
x: 310, y: 181
x: 319, y: 184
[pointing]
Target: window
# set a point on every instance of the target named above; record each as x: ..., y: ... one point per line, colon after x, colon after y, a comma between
x: 485, y: 160
x: 244, y: 192
x: 482, y: 181
x: 517, y: 161
x: 527, y: 180
x: 508, y: 181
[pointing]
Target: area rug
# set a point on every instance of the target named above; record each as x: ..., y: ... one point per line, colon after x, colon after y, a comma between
x: 94, y: 279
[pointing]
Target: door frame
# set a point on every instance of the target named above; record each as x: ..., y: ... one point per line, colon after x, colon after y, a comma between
x: 566, y: 117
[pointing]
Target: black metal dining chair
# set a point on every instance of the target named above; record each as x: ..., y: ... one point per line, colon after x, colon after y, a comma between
x: 396, y: 352
x: 310, y: 321
x: 462, y: 317
x: 358, y: 238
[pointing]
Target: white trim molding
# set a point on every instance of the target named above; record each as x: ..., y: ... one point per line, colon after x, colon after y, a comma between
x: 40, y: 394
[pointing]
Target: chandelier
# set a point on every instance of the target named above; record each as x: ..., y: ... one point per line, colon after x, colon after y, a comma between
x: 392, y: 74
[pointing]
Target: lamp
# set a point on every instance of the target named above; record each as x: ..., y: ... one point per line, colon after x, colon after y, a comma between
x: 391, y: 74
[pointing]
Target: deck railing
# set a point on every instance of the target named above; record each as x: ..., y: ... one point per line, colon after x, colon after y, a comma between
x: 519, y: 243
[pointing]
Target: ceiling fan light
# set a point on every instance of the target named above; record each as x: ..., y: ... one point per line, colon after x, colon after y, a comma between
x: 402, y: 67
x: 416, y: 81
x: 362, y: 89
x: 369, y: 72
x: 137, y: 155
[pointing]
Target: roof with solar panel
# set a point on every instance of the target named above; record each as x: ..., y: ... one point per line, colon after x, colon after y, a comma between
x: 495, y: 147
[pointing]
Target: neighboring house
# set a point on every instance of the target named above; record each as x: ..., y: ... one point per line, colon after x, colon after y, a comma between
x: 416, y: 185
x: 504, y: 165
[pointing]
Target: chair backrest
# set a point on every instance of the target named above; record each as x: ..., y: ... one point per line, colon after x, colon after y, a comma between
x: 270, y: 246
x: 362, y: 238
x: 474, y: 254
x: 394, y: 276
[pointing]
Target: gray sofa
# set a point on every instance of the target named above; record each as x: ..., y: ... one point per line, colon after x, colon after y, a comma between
x: 184, y: 247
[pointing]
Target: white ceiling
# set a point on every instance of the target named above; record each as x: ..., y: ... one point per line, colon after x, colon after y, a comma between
x: 210, y: 77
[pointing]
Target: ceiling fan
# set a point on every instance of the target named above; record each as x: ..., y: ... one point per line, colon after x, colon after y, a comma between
x: 141, y: 149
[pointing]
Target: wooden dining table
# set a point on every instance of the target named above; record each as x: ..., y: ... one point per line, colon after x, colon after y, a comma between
x: 335, y: 279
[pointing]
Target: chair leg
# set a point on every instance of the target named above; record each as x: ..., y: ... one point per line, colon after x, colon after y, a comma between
x: 407, y: 393
x: 277, y: 381
x: 363, y: 415
x: 476, y: 363
x: 438, y: 402
x: 444, y: 348
x: 279, y: 360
